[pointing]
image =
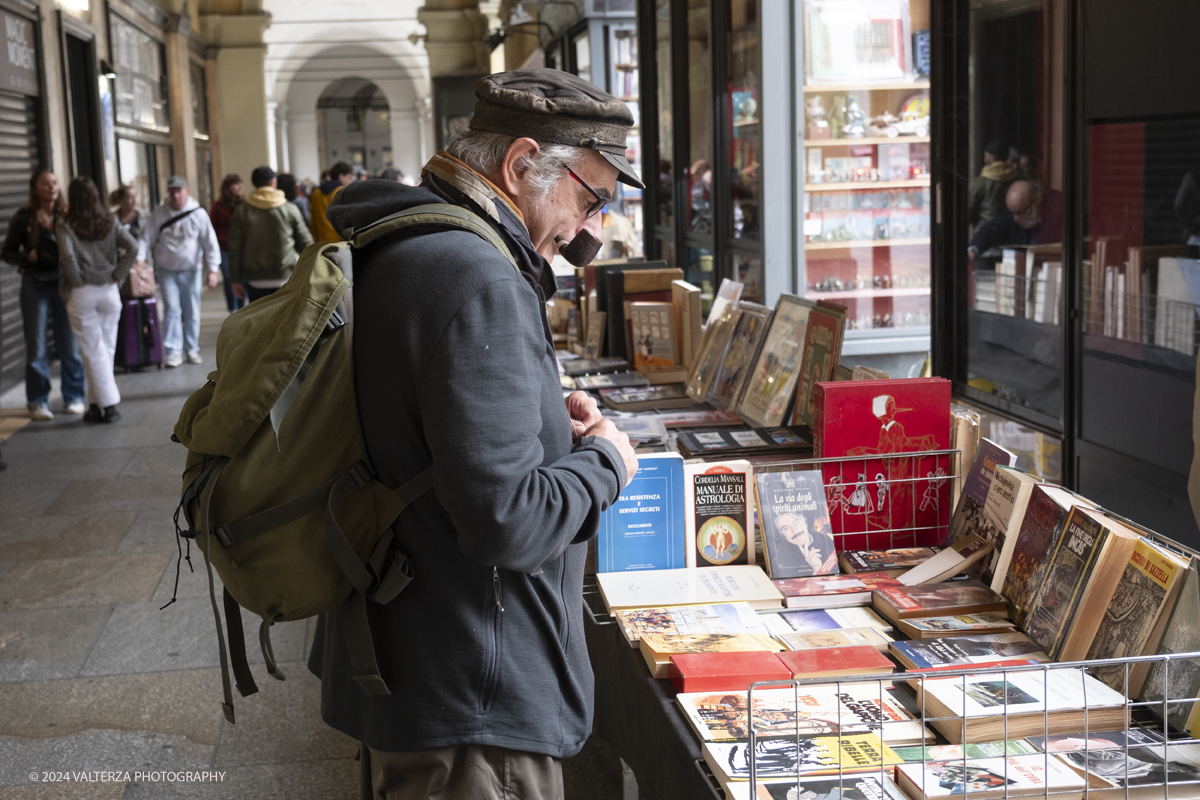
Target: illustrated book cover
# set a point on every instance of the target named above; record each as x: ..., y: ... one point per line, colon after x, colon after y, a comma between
x: 796, y: 532
x: 731, y: 374
x: 1010, y: 776
x: 831, y: 591
x: 965, y: 650
x: 822, y: 351
x: 784, y: 758
x: 969, y: 514
x: 709, y: 618
x: 719, y: 513
x: 772, y: 383
x: 899, y: 559
x: 891, y: 500
x: 936, y: 600
x: 823, y: 619
x: 1004, y: 512
x: 847, y: 637
x: 1178, y: 681
x: 839, y: 787
x: 1120, y: 759
x: 712, y: 351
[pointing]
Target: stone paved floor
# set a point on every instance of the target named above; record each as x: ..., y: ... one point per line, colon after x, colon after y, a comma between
x: 95, y: 677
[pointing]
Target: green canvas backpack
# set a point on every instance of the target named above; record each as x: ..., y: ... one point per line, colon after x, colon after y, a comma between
x: 278, y: 491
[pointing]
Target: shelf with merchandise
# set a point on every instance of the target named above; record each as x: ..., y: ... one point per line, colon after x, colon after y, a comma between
x: 912, y: 291
x: 866, y: 243
x: 866, y: 140
x: 863, y: 185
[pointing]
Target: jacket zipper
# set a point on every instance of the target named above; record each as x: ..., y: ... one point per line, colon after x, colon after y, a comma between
x: 562, y: 598
x: 492, y: 679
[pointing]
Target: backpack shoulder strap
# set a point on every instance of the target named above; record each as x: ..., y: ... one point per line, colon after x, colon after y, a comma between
x: 177, y: 218
x: 432, y: 215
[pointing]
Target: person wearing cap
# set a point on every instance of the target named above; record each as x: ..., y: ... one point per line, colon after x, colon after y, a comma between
x: 484, y: 652
x: 266, y: 237
x: 182, y: 243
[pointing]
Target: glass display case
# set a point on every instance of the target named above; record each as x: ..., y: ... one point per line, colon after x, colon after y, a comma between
x: 866, y: 147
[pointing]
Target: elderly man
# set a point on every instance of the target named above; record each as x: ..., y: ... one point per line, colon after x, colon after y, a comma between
x: 1033, y: 216
x: 454, y: 367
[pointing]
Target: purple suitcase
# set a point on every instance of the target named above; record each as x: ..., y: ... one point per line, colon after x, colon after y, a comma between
x: 139, y: 341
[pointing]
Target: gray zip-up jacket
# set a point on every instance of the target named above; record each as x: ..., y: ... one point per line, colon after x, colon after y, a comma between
x: 454, y: 366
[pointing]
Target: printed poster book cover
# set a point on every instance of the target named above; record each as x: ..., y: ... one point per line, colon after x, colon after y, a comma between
x: 891, y: 501
x: 783, y: 758
x: 796, y: 532
x: 814, y: 711
x: 719, y: 515
x: 840, y: 787
x: 1010, y: 776
x: 963, y: 650
x: 644, y: 529
x: 730, y: 376
x: 1124, y: 758
x: 713, y: 618
x: 937, y: 599
x: 772, y: 384
x: 1045, y: 518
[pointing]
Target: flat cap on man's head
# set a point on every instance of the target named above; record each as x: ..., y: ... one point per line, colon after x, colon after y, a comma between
x: 556, y: 108
x: 262, y: 176
x: 177, y: 182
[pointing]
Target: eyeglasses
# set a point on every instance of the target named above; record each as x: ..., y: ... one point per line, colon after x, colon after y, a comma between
x: 599, y: 203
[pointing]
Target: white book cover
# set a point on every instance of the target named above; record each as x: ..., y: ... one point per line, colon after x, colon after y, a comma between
x: 844, y: 637
x: 1120, y: 301
x: 1005, y: 507
x: 702, y: 619
x: 812, y: 710
x: 981, y: 777
x: 682, y: 587
x: 992, y: 695
x: 965, y: 623
x: 823, y: 619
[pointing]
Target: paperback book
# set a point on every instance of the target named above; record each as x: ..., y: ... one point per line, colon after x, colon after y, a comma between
x: 832, y: 591
x: 837, y: 662
x: 812, y: 711
x: 826, y: 619
x: 785, y: 758
x: 1004, y: 511
x: 712, y: 350
x: 713, y: 618
x: 936, y: 600
x: 1177, y: 682
x: 900, y: 559
x: 657, y: 649
x: 646, y: 398
x: 725, y: 443
x: 1010, y: 776
x: 950, y: 752
x: 643, y: 529
x: 725, y: 671
x: 730, y: 377
x: 840, y: 787
x: 718, y: 513
x: 686, y: 587
x: 614, y: 380
x: 969, y: 515
x: 1120, y: 759
x: 849, y: 637
x: 796, y: 534
x: 940, y: 627
x: 957, y: 557
x: 966, y: 650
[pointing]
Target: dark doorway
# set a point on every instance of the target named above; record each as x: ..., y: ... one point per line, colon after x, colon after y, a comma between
x: 82, y: 99
x: 1008, y: 80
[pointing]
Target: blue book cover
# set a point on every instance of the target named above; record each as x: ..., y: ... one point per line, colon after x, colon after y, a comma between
x: 644, y: 529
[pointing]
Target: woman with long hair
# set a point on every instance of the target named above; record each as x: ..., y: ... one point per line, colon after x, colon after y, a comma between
x: 96, y: 256
x: 125, y: 199
x: 32, y: 246
x: 222, y: 216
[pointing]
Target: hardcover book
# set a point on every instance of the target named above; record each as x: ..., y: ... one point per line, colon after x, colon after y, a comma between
x: 837, y: 662
x: 822, y: 351
x: 644, y: 529
x: 831, y: 591
x: 1080, y: 578
x: 685, y: 587
x: 989, y: 705
x: 796, y: 533
x: 846, y: 637
x: 712, y: 618
x: 1045, y: 517
x: 772, y: 382
x: 893, y: 501
x: 657, y: 649
x: 646, y: 398
x: 936, y: 600
x: 719, y: 515
x: 1004, y: 512
x: 654, y: 338
x: 966, y: 650
x: 712, y: 351
x: 725, y: 672
x: 686, y: 299
x: 1148, y: 580
x: 938, y: 627
x: 1011, y: 776
x: 968, y: 514
x: 812, y: 710
x: 739, y: 356
x: 899, y: 559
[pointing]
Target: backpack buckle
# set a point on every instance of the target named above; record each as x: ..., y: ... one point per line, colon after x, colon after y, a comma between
x: 361, y: 474
x: 224, y: 536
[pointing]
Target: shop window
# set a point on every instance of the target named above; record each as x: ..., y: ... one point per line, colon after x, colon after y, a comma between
x: 140, y: 86
x: 665, y: 187
x: 700, y: 122
x: 744, y: 119
x: 199, y: 100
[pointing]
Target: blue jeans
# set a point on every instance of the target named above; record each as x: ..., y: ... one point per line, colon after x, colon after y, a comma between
x: 232, y: 302
x: 181, y: 310
x: 38, y: 306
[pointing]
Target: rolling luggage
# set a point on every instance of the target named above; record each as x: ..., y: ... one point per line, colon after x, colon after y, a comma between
x: 139, y: 341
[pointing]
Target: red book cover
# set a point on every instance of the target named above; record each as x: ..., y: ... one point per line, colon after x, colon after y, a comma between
x: 726, y: 672
x: 826, y: 585
x: 886, y: 502
x: 814, y: 663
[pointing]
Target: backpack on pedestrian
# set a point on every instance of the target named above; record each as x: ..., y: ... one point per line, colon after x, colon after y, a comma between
x: 278, y: 491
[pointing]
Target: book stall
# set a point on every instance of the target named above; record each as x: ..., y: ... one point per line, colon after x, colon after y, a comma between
x: 823, y: 583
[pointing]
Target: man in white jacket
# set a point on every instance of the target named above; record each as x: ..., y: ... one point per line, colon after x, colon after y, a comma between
x: 182, y: 243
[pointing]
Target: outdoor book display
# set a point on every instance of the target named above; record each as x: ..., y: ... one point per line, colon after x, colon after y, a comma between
x: 822, y: 583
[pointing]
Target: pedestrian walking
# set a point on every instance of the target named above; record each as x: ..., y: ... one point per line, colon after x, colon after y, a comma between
x: 222, y: 214
x: 266, y: 238
x: 140, y: 282
x: 341, y: 175
x: 96, y: 255
x: 184, y: 245
x: 32, y: 246
x: 286, y: 183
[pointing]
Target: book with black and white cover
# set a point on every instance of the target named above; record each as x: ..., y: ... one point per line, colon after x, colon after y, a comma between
x: 867, y: 786
x: 785, y: 758
x: 1009, y: 776
x: 1125, y: 758
x: 966, y: 650
x: 1018, y: 704
x: 846, y: 707
x: 797, y: 534
x: 707, y: 618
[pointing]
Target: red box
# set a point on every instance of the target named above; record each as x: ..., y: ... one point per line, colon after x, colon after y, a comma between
x: 862, y: 659
x: 725, y: 672
x: 881, y: 503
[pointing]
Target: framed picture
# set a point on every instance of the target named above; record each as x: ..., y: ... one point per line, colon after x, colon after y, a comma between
x: 858, y: 41
x: 768, y: 395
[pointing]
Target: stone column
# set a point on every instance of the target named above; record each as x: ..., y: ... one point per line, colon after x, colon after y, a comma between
x: 281, y: 138
x: 454, y: 37
x: 491, y: 12
x: 272, y: 152
x: 244, y: 136
x: 179, y: 92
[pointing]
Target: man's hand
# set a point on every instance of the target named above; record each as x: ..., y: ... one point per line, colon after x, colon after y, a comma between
x: 583, y: 411
x: 605, y: 429
x: 239, y: 291
x: 212, y: 280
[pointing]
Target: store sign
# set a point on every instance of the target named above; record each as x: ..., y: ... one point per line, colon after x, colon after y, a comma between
x: 18, y: 65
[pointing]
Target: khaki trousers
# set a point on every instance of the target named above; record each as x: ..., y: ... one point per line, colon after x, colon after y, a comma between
x: 459, y: 773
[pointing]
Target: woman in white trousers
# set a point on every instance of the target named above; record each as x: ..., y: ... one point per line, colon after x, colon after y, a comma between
x: 96, y: 255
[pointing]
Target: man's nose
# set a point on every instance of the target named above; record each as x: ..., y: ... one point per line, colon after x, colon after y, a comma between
x: 591, y: 225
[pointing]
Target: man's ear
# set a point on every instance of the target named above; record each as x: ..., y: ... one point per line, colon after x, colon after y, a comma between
x: 512, y: 168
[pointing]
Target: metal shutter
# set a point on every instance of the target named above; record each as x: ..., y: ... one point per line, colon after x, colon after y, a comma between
x: 18, y: 160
